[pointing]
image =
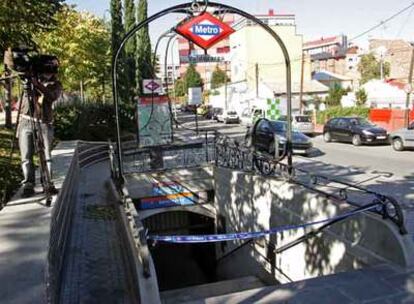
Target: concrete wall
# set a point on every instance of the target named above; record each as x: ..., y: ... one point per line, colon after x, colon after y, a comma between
x: 252, y: 203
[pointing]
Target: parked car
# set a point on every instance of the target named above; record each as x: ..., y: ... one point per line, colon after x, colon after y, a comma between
x: 190, y: 108
x: 246, y: 117
x: 403, y: 138
x: 228, y: 116
x: 356, y: 130
x: 262, y: 136
x: 209, y: 113
x: 178, y: 107
x: 216, y: 111
x: 301, y: 123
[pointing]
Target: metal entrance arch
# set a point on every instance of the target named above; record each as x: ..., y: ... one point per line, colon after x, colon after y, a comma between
x: 191, y: 9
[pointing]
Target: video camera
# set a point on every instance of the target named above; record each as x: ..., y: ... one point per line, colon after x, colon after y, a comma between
x: 28, y: 62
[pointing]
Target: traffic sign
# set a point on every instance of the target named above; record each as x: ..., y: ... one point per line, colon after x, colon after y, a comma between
x: 152, y: 86
x: 204, y: 30
x: 195, y: 96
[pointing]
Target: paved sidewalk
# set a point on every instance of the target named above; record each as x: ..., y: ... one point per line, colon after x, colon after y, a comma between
x: 24, y: 239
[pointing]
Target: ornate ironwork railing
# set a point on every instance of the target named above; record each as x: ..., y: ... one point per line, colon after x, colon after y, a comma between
x: 232, y: 155
x: 173, y: 156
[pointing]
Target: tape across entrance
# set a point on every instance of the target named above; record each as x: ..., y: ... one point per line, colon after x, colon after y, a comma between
x: 204, y: 30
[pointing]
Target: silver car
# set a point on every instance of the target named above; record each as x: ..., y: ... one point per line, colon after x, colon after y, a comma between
x: 301, y: 123
x: 403, y: 138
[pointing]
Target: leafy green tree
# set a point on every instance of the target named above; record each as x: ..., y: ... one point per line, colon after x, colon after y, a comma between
x: 19, y: 20
x: 131, y: 46
x: 82, y: 44
x: 192, y: 78
x: 218, y: 78
x: 179, y: 88
x: 370, y: 68
x: 361, y: 97
x: 335, y: 95
x: 145, y: 69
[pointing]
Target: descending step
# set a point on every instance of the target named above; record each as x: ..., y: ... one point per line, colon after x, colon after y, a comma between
x: 199, y: 292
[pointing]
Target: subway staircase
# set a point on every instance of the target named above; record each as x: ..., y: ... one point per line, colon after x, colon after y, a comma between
x: 200, y: 293
x: 382, y: 283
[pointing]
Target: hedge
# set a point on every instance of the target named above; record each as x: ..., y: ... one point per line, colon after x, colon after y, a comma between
x: 324, y: 116
x: 89, y: 121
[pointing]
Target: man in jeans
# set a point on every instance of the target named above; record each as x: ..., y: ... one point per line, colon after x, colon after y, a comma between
x: 47, y: 89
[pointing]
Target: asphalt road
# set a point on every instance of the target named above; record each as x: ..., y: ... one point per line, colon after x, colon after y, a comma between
x: 366, y: 159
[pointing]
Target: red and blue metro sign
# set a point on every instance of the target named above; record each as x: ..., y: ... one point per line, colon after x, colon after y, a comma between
x: 204, y: 30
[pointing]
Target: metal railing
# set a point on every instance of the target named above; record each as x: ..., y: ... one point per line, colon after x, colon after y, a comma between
x: 232, y: 155
x: 198, y: 152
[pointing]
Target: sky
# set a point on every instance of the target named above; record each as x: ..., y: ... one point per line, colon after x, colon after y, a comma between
x: 314, y: 18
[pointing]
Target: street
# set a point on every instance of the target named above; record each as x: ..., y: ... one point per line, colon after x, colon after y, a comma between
x: 342, y: 160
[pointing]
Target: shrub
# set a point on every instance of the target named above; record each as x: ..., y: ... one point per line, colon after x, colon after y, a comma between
x: 361, y: 97
x: 90, y: 121
x: 332, y: 112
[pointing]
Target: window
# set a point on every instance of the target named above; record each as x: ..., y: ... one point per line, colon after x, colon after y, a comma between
x: 342, y: 123
x: 183, y: 52
x: 224, y: 49
x: 264, y: 126
x: 279, y: 126
x: 334, y: 122
x: 303, y: 119
x: 246, y: 113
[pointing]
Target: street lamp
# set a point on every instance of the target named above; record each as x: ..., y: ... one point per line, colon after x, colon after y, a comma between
x: 381, y: 52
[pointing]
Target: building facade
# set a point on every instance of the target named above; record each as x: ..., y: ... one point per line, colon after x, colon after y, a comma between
x: 257, y: 57
x: 333, y: 55
x: 327, y: 54
x: 398, y: 53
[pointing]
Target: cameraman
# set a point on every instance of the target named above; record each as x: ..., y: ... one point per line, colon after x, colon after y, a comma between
x: 46, y: 90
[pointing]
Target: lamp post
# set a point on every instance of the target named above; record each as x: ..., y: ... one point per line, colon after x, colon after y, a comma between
x: 408, y: 90
x: 381, y: 52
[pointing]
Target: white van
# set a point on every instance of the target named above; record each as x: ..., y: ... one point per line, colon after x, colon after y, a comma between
x: 250, y: 115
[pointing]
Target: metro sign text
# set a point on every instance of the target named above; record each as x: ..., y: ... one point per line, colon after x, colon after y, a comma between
x: 204, y: 30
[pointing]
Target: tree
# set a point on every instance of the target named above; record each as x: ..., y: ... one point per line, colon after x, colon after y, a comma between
x: 192, y: 78
x: 361, y: 97
x: 218, y: 78
x: 179, y: 89
x: 335, y: 95
x: 117, y: 33
x: 370, y: 68
x: 131, y: 45
x: 82, y: 44
x: 19, y: 20
x: 117, y: 28
x: 144, y: 64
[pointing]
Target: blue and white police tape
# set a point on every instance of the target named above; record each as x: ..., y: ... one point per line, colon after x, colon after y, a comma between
x: 213, y: 238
